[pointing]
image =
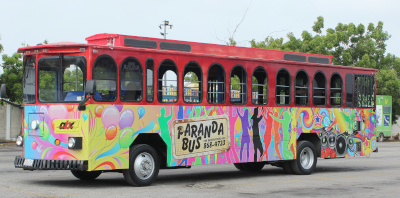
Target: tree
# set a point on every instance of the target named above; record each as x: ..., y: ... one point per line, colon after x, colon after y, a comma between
x: 1, y: 46
x: 350, y: 45
x: 12, y: 76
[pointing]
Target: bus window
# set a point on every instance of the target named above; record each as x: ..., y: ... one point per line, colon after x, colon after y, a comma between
x: 282, y: 88
x: 216, y: 84
x: 259, y: 87
x: 105, y: 74
x: 301, y: 88
x: 336, y: 90
x: 131, y: 77
x: 364, y: 90
x: 167, y: 82
x: 192, y: 86
x: 349, y: 90
x: 319, y: 89
x: 238, y: 85
x: 149, y: 80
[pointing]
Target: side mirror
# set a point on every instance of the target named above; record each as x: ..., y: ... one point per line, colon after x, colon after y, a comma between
x: 3, y: 91
x: 90, y: 87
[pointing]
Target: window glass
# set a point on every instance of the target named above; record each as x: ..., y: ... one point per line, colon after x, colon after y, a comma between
x: 301, y: 88
x: 216, y: 84
x: 105, y: 74
x: 167, y: 82
x: 238, y: 85
x: 336, y: 90
x: 192, y: 86
x: 319, y: 89
x: 131, y: 77
x: 29, y: 80
x: 282, y: 89
x: 259, y: 87
x: 364, y: 90
x: 150, y: 80
x: 61, y: 78
x: 349, y: 90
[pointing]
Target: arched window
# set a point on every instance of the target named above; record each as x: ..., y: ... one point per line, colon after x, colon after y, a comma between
x: 336, y: 90
x: 131, y: 80
x: 150, y: 80
x: 192, y: 83
x: 238, y: 85
x: 105, y: 74
x: 301, y: 88
x: 319, y: 89
x: 216, y: 84
x: 167, y: 82
x: 282, y: 88
x: 259, y: 86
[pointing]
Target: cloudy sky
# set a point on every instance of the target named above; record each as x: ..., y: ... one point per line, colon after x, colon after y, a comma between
x: 209, y: 21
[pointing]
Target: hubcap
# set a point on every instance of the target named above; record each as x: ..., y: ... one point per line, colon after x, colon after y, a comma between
x: 306, y: 158
x: 144, y: 166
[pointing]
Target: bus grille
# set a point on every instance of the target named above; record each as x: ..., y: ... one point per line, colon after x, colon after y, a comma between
x: 39, y: 164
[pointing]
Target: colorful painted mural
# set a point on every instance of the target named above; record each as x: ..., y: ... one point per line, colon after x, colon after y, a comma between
x: 194, y: 135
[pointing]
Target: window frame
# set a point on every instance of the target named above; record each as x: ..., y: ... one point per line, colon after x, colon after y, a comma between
x: 290, y: 87
x: 243, y: 83
x: 177, y: 80
x: 313, y: 89
x: 120, y: 78
x: 148, y: 59
x: 200, y: 78
x: 341, y: 90
x: 116, y: 79
x: 307, y: 88
x: 224, y: 83
x: 251, y: 91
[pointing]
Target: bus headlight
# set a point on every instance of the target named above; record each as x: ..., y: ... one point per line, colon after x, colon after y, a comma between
x: 35, y: 124
x: 20, y: 140
x: 75, y: 142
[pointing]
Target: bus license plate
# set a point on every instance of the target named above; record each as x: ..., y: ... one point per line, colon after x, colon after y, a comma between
x: 28, y: 162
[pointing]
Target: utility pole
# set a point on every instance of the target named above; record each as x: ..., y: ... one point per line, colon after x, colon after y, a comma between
x: 166, y: 23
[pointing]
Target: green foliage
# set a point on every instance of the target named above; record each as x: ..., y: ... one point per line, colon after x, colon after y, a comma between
x: 12, y: 76
x: 350, y: 45
x: 1, y: 46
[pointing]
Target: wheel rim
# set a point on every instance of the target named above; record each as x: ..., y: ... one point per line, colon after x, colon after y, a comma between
x: 144, y: 166
x: 306, y: 158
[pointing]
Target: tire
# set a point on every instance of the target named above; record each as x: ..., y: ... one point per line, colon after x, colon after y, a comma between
x: 238, y: 166
x: 306, y: 158
x: 287, y: 167
x: 381, y: 137
x: 86, y: 175
x: 144, y: 165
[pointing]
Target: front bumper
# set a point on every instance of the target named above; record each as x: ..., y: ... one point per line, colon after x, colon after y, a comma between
x: 39, y: 164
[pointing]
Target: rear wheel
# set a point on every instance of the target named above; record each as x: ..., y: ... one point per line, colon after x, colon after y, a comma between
x: 381, y: 137
x: 86, y: 175
x: 287, y: 168
x: 238, y: 166
x: 251, y: 166
x: 306, y: 158
x: 144, y: 165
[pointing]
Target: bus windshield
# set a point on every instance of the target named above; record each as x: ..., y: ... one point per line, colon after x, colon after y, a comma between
x: 61, y: 78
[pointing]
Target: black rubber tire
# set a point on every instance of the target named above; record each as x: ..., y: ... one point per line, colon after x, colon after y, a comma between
x: 381, y: 137
x: 287, y: 167
x: 305, y: 147
x: 86, y: 175
x: 253, y: 166
x: 238, y: 166
x: 146, y: 152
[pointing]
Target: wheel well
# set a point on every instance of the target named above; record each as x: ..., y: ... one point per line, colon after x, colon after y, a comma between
x: 314, y: 139
x: 155, y: 141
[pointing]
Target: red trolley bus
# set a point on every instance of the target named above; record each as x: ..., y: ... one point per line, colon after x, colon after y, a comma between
x: 135, y: 105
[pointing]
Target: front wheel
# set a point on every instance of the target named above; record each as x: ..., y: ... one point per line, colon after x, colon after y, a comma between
x: 86, y: 175
x: 306, y: 158
x: 144, y: 165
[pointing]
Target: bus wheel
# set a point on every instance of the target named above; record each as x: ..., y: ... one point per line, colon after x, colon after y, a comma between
x: 253, y: 166
x: 306, y: 158
x: 86, y: 175
x: 144, y: 165
x: 238, y: 166
x: 381, y: 137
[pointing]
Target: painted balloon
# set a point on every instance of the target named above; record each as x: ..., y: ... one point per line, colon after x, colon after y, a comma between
x: 110, y: 116
x: 44, y: 130
x: 34, y: 145
x: 85, y: 116
x: 141, y: 112
x: 119, y: 107
x: 70, y: 108
x: 98, y: 110
x: 126, y: 119
x: 126, y: 137
x: 111, y: 132
x: 58, y: 112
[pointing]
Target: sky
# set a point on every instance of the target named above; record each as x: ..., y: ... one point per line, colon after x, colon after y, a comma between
x: 207, y: 21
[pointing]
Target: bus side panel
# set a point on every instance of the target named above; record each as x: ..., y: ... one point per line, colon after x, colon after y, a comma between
x: 216, y: 134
